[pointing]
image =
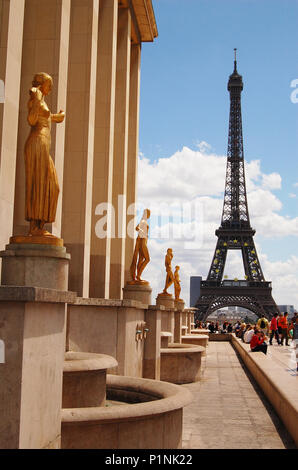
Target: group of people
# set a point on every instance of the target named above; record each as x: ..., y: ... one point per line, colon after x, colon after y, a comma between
x: 280, y: 328
x: 261, y: 334
x: 215, y: 327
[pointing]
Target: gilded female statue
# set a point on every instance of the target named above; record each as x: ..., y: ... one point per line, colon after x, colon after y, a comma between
x: 141, y: 254
x: 42, y: 188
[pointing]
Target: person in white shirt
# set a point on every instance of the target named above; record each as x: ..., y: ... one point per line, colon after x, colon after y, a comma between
x: 248, y: 334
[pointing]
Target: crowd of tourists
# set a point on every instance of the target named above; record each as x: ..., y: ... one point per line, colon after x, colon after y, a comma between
x: 261, y: 334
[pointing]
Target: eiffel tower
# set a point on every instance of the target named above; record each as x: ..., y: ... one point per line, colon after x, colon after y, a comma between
x: 235, y: 232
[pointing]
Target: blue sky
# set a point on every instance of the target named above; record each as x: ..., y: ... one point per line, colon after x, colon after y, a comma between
x: 184, y: 98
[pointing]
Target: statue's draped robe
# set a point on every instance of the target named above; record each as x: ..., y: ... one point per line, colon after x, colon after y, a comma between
x: 42, y: 187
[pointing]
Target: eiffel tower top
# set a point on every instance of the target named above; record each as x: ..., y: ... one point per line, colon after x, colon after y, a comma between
x: 235, y: 210
x: 235, y: 84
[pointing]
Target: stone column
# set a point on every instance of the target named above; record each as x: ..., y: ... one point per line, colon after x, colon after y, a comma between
x: 79, y: 142
x: 120, y: 152
x: 151, y: 367
x: 102, y: 227
x: 11, y: 40
x: 132, y: 157
x: 45, y: 49
x: 177, y: 326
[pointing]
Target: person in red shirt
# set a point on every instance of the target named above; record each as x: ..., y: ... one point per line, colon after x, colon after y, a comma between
x: 284, y: 329
x: 274, y: 330
x: 258, y: 342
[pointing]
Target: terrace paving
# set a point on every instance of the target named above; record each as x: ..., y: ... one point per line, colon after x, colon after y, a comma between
x: 229, y: 410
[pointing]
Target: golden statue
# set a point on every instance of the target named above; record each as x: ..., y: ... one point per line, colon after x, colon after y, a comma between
x: 42, y: 188
x: 141, y: 254
x: 177, y: 285
x: 170, y: 275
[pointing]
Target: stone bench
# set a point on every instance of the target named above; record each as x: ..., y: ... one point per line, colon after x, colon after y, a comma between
x: 280, y: 388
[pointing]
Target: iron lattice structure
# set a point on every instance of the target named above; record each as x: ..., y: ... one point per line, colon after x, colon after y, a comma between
x: 235, y: 232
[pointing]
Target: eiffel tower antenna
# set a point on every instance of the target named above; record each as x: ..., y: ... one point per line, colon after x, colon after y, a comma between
x: 235, y: 231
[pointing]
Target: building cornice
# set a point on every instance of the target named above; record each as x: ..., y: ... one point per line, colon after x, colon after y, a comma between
x: 144, y: 27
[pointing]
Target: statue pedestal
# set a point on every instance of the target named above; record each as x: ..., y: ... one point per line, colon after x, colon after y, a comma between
x: 38, y: 265
x: 180, y: 304
x: 33, y: 300
x: 140, y: 292
x: 167, y: 300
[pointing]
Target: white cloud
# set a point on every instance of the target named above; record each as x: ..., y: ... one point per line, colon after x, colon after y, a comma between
x: 177, y: 177
x: 204, y: 146
x: 197, y: 178
x: 292, y: 195
x: 272, y: 181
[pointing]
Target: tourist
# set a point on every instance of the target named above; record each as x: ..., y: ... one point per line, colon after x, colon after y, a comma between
x: 248, y: 334
x: 291, y: 328
x: 279, y: 321
x: 262, y: 324
x: 230, y: 328
x: 237, y: 328
x: 258, y: 343
x: 217, y: 327
x: 284, y: 329
x: 274, y: 330
x: 211, y: 327
x: 242, y: 330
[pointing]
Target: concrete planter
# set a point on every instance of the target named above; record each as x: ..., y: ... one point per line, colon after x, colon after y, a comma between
x: 199, y: 340
x: 84, y: 379
x: 139, y: 413
x: 181, y: 363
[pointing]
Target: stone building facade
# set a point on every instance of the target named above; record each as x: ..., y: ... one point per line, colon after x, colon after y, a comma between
x: 92, y: 50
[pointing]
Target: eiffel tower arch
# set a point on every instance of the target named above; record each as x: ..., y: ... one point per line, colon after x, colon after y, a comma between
x: 235, y: 232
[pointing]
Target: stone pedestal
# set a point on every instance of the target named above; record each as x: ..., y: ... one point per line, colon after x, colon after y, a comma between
x: 179, y: 304
x: 140, y: 292
x: 37, y: 265
x: 32, y: 328
x: 167, y: 300
x: 33, y: 299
